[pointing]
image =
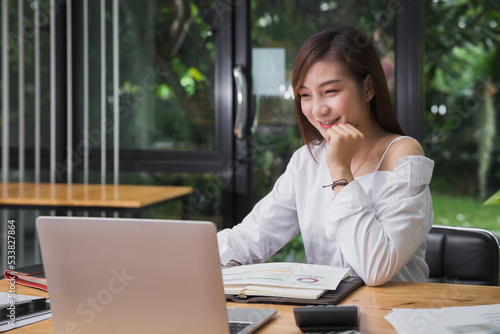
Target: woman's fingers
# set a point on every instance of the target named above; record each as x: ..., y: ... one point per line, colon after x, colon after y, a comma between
x: 343, y: 132
x: 344, y: 141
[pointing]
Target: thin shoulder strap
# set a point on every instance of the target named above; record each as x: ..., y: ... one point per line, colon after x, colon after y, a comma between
x: 395, y: 140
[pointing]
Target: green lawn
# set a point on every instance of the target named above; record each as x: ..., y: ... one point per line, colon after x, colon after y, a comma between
x: 465, y: 211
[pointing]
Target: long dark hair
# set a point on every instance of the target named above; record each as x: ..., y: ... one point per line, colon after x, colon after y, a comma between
x: 350, y: 46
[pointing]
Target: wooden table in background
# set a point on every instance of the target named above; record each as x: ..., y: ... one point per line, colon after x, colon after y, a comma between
x: 374, y: 304
x: 92, y: 197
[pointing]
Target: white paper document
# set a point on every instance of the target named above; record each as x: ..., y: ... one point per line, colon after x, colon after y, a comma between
x: 447, y: 320
x: 285, y: 274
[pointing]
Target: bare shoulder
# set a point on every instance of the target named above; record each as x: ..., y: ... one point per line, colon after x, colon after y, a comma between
x: 398, y: 150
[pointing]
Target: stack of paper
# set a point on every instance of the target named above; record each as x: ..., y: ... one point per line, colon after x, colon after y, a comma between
x: 282, y: 279
x: 453, y: 320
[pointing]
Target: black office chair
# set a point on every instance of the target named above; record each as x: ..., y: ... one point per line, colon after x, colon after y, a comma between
x: 463, y: 255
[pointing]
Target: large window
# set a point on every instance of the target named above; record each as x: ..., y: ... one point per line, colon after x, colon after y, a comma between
x: 285, y: 28
x: 277, y: 33
x: 116, y: 91
x: 177, y: 94
x: 462, y: 109
x: 166, y: 68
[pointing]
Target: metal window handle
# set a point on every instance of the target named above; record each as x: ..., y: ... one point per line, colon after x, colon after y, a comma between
x: 241, y: 102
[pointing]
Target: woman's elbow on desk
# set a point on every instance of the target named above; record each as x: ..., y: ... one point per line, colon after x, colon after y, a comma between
x: 378, y: 269
x: 374, y: 276
x: 376, y: 281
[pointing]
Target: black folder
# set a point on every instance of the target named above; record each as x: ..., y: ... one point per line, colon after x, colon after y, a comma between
x: 330, y: 297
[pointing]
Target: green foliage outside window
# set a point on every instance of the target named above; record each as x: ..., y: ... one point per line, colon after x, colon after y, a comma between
x: 462, y: 109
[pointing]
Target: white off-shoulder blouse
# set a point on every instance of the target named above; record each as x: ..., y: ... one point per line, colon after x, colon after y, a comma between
x: 376, y: 226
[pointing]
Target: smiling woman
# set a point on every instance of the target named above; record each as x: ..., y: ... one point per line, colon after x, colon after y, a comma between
x: 342, y: 91
x: 355, y: 59
x: 376, y: 219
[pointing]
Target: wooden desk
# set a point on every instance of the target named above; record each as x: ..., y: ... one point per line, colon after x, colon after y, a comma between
x: 62, y: 196
x: 374, y: 303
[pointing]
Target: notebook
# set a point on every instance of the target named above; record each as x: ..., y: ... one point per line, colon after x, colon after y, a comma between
x: 119, y: 275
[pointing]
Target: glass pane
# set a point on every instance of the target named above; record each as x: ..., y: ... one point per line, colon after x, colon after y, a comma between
x: 286, y: 27
x: 28, y: 80
x: 166, y: 74
x: 461, y: 80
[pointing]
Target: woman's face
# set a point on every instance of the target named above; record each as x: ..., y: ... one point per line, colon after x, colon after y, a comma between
x: 331, y: 96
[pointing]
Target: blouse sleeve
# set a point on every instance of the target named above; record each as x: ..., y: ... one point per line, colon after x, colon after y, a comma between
x: 379, y: 233
x: 267, y: 228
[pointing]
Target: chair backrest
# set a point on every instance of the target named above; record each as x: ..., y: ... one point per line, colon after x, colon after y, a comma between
x: 463, y: 255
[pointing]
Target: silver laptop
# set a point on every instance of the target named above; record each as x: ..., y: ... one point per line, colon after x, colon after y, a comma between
x: 116, y: 275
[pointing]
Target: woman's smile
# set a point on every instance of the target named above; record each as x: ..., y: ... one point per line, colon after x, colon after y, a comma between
x: 330, y: 123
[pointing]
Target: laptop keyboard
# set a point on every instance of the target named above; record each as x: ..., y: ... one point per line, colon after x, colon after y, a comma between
x: 236, y: 327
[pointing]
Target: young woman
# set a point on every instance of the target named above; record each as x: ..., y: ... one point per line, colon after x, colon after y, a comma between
x: 358, y: 191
